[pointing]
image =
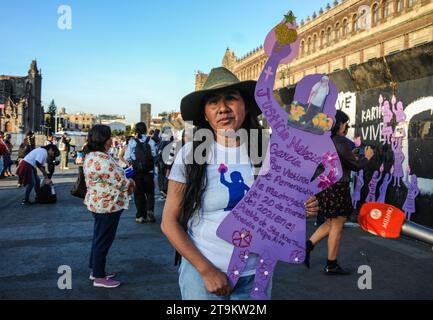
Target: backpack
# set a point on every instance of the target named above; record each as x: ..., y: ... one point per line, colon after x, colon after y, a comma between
x: 143, y: 162
x: 46, y: 194
x: 23, y: 150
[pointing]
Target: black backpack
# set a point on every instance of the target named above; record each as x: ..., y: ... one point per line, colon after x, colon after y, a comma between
x: 144, y: 161
x: 46, y: 194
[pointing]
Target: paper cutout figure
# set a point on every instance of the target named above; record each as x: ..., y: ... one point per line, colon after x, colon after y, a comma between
x: 412, y: 193
x: 372, y: 185
x: 396, y: 144
x: 237, y: 188
x: 400, y: 116
x: 384, y: 186
x: 387, y: 118
x: 271, y: 219
x: 356, y: 196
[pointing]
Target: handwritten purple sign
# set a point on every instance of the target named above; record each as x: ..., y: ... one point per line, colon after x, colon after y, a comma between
x: 270, y: 220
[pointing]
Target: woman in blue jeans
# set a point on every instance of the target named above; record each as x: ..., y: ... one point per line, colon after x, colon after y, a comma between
x: 107, y: 196
x: 198, y: 197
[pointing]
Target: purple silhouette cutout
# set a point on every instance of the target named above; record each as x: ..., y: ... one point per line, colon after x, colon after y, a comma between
x: 398, y: 160
x: 387, y: 118
x: 412, y: 193
x: 372, y: 185
x: 400, y: 116
x: 356, y: 196
x: 384, y: 187
x: 271, y: 219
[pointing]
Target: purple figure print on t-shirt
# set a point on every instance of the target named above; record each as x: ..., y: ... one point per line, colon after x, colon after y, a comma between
x: 237, y: 188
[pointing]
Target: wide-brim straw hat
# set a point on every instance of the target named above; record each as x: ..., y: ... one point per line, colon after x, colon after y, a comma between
x: 192, y: 105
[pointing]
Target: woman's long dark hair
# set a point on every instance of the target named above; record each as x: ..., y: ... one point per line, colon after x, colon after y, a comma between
x: 340, y: 118
x: 196, y: 173
x: 97, y: 138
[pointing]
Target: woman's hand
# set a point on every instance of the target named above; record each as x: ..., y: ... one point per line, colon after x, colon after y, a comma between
x: 369, y: 153
x: 312, y: 207
x: 216, y: 282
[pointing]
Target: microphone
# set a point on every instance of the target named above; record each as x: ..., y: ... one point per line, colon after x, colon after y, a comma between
x: 387, y: 221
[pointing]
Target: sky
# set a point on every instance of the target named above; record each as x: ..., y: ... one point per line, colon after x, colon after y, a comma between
x: 119, y: 54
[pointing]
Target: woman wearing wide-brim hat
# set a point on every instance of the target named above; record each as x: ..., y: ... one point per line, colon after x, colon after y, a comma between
x: 202, y: 193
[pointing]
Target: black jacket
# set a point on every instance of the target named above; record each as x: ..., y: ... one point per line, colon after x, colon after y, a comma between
x: 347, y: 158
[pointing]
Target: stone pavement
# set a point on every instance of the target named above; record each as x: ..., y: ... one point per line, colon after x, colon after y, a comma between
x: 36, y: 240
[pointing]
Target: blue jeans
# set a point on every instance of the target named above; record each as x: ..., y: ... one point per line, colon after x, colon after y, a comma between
x: 34, y: 183
x: 192, y: 286
x: 104, y: 232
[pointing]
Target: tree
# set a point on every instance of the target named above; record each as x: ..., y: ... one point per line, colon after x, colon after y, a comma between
x: 52, y: 110
x: 117, y: 133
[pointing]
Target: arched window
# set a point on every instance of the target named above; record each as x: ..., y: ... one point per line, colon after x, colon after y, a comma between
x: 302, y: 47
x: 400, y: 5
x: 337, y: 31
x: 315, y: 42
x: 328, y: 36
x: 375, y: 17
x: 345, y: 30
x: 355, y: 23
x: 322, y: 38
x: 385, y: 8
x: 309, y: 45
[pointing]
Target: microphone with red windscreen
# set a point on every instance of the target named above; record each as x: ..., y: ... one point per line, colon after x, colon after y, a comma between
x: 387, y: 221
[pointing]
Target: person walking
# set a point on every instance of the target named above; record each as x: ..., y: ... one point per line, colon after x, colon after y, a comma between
x: 106, y: 198
x: 335, y: 202
x: 140, y: 153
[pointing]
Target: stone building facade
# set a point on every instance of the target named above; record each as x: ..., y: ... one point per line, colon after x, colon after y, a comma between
x: 350, y: 33
x: 21, y: 97
x: 77, y: 121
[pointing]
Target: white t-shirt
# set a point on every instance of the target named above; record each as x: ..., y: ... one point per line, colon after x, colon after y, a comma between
x: 220, y: 196
x: 39, y: 154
